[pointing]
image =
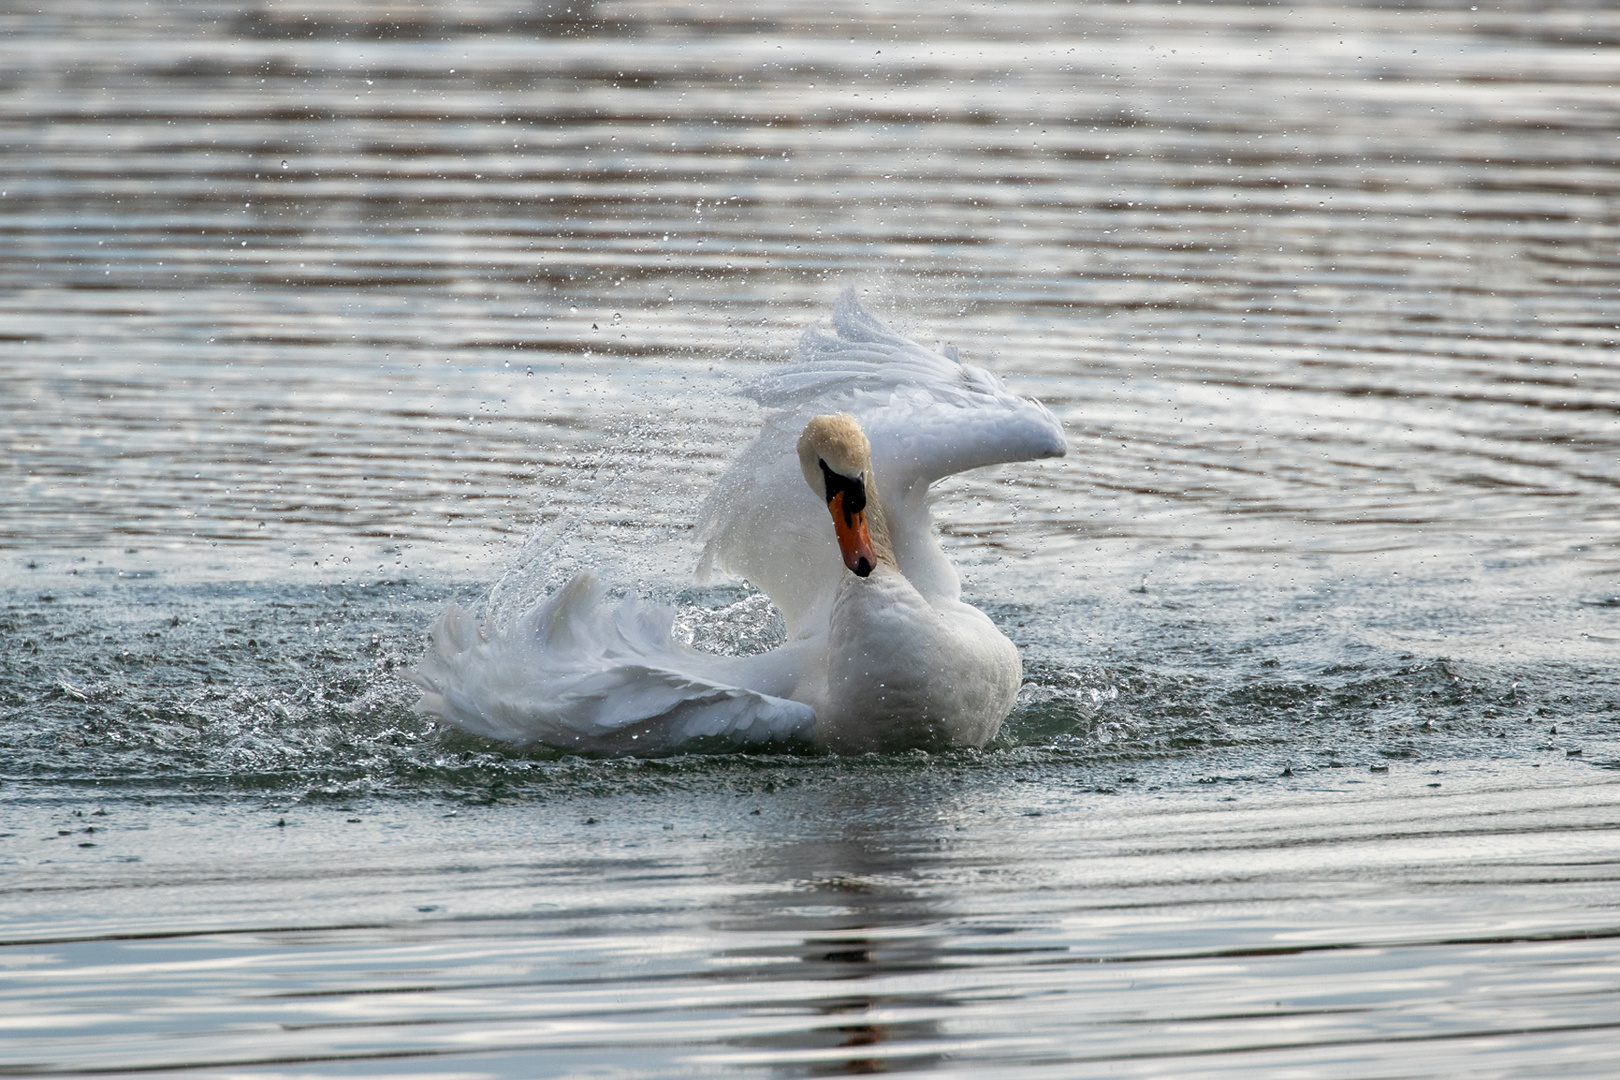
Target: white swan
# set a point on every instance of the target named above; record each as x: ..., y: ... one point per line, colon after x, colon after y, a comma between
x: 881, y: 653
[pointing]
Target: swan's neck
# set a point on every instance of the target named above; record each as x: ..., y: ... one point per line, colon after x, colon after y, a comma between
x: 877, y: 525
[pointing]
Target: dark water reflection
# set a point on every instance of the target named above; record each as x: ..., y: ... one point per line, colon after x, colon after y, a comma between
x: 876, y: 934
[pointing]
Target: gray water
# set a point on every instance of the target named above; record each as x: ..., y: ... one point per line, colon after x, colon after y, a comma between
x: 315, y: 317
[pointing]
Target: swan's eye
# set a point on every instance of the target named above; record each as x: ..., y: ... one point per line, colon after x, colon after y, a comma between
x: 853, y: 490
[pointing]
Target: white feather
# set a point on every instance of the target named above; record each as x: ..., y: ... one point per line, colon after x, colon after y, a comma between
x: 578, y: 673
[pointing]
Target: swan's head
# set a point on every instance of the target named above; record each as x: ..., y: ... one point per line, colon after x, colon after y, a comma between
x: 837, y: 464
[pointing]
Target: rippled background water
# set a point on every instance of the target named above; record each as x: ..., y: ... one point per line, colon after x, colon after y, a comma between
x: 314, y: 316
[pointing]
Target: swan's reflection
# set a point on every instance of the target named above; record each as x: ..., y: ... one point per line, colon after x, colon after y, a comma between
x: 866, y: 930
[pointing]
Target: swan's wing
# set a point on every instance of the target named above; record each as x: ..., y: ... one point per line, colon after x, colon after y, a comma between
x: 927, y: 416
x: 578, y: 674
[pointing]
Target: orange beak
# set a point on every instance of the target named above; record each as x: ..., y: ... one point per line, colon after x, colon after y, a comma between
x: 852, y: 539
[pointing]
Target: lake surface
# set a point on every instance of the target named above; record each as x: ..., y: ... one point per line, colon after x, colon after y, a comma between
x: 314, y: 317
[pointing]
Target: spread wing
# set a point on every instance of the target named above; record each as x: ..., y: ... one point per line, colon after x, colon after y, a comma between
x: 927, y: 416
x: 577, y: 674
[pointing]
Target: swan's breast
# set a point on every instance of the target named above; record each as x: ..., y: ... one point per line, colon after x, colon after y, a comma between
x: 903, y: 672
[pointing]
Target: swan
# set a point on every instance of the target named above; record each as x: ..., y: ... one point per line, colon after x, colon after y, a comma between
x: 827, y: 513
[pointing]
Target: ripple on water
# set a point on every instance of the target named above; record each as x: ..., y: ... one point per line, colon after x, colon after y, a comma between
x: 311, y: 314
x: 850, y: 917
x: 1373, y: 250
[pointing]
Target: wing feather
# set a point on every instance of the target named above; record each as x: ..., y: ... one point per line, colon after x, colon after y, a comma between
x: 927, y: 415
x: 577, y: 674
